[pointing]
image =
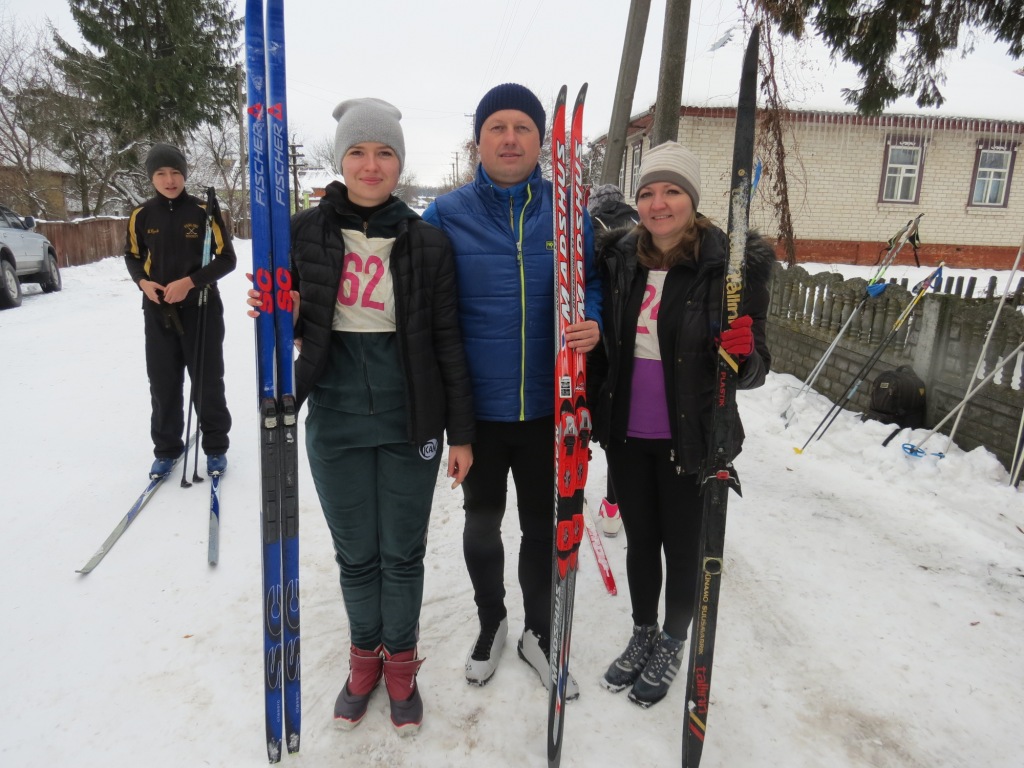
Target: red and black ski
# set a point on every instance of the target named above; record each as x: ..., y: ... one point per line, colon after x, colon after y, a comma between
x: 572, y: 415
x: 719, y: 477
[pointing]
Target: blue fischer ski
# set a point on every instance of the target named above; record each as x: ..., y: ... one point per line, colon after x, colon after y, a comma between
x: 572, y: 415
x: 279, y: 521
x: 718, y: 470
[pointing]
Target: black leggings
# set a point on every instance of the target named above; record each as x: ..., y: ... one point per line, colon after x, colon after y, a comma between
x: 661, y: 512
x: 526, y: 449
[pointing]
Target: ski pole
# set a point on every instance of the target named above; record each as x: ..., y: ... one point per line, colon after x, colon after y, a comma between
x: 875, y: 287
x: 833, y: 412
x: 916, y: 450
x: 988, y: 338
x: 199, y: 348
x: 1018, y: 455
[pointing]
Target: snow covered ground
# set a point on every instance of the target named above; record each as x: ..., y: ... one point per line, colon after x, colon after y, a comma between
x: 872, y: 605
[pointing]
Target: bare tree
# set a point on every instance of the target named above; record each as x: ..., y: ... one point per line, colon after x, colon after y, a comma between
x: 321, y: 152
x: 214, y: 162
x: 24, y: 181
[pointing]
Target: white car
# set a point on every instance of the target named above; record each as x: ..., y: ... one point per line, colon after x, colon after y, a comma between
x: 25, y: 257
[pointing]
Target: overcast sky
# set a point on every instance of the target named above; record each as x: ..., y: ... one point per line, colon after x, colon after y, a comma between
x: 434, y: 60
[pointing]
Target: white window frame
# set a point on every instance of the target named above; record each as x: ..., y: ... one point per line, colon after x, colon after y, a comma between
x: 984, y: 178
x: 634, y: 175
x: 902, y: 172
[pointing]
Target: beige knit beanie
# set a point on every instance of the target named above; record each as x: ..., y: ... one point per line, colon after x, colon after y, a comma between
x: 674, y: 163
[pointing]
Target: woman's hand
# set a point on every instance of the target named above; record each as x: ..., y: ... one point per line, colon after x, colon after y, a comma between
x: 255, y: 300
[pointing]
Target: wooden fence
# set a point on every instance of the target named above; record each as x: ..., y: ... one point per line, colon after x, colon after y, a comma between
x: 941, y: 340
x: 83, y: 242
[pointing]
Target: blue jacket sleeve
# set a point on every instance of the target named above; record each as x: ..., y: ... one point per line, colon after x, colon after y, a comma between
x: 594, y: 296
x: 430, y: 215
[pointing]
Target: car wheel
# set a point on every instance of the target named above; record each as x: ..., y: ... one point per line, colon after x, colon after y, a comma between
x: 51, y: 275
x: 10, y: 288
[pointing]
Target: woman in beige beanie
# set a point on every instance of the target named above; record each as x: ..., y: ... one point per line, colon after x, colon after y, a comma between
x: 655, y: 375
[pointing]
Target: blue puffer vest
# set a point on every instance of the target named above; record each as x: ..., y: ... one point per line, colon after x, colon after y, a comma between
x: 504, y: 261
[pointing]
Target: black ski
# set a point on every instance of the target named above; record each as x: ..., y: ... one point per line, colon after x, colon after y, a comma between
x: 719, y: 477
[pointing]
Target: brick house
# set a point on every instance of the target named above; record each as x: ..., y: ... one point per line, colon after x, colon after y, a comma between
x: 854, y: 181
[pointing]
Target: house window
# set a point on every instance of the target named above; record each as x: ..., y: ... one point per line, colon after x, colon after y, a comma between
x: 901, y: 181
x: 993, y: 169
x: 635, y: 172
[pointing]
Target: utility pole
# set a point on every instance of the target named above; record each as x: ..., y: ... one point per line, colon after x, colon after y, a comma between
x: 670, y: 78
x: 625, y: 89
x: 293, y: 158
x: 456, y: 156
x: 243, y: 157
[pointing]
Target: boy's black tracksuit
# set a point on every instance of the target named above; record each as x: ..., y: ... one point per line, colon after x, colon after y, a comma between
x: 165, y: 243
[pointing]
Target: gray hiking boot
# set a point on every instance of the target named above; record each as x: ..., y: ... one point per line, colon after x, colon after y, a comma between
x: 624, y: 671
x: 659, y: 672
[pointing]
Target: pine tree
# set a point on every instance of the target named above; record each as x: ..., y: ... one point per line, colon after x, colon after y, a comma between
x: 898, y: 46
x: 157, y: 69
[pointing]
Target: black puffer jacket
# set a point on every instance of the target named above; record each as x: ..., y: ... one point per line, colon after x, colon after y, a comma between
x: 688, y: 323
x: 422, y: 269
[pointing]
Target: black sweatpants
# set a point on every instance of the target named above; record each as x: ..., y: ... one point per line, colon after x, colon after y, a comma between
x: 526, y: 448
x: 169, y: 352
x: 661, y: 512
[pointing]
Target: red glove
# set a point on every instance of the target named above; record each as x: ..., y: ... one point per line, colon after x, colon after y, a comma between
x: 738, y: 338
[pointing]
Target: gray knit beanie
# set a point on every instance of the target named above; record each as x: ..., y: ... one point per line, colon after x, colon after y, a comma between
x: 165, y: 156
x: 510, y: 96
x: 674, y: 163
x: 367, y: 119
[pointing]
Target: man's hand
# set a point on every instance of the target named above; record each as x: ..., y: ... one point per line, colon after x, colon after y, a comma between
x: 460, y: 459
x: 582, y: 337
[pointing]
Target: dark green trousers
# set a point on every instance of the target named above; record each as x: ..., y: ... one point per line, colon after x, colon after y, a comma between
x: 376, y: 491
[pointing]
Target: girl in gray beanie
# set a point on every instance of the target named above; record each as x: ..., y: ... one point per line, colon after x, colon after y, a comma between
x: 382, y: 365
x: 656, y: 377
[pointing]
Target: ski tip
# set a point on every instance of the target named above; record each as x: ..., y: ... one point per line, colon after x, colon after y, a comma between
x: 582, y: 94
x: 798, y: 451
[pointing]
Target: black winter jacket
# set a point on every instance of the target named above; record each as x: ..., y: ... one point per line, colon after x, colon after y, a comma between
x: 438, y: 393
x: 165, y: 243
x: 688, y: 325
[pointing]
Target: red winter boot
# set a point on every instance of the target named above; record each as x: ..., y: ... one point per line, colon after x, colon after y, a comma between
x: 400, y: 678
x: 365, y: 670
